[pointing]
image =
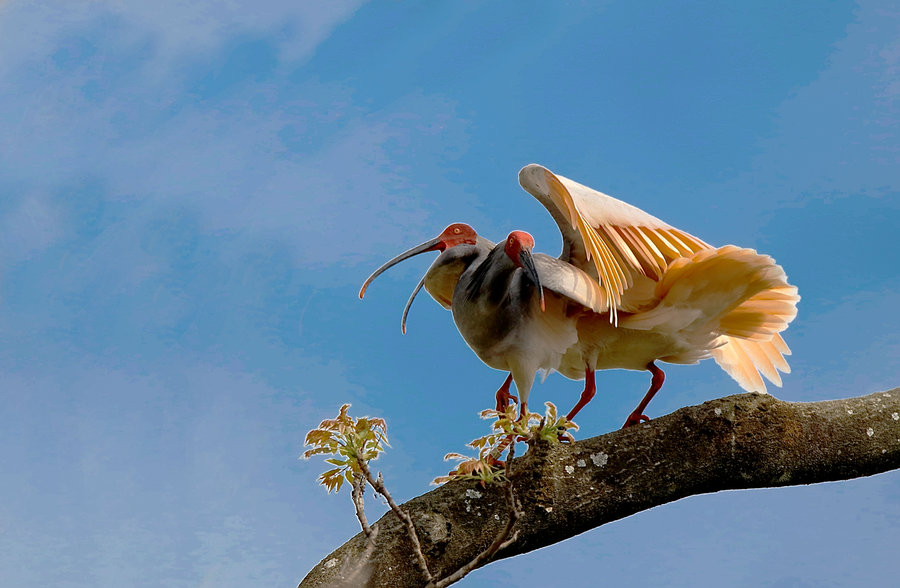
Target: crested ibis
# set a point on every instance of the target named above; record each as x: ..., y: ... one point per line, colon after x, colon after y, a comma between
x: 628, y: 290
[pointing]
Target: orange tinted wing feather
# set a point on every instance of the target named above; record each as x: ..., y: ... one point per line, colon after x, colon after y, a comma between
x: 606, y: 236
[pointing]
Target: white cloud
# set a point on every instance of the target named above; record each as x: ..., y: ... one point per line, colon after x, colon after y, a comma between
x: 175, y: 28
x: 236, y: 171
x: 297, y: 162
x: 169, y: 477
x: 186, y: 26
x: 234, y: 167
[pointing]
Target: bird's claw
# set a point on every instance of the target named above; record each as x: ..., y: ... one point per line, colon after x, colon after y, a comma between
x: 495, y: 462
x: 563, y: 435
x: 503, y: 401
x: 635, y: 419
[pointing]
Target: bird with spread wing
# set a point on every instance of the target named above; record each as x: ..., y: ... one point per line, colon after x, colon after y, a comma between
x: 627, y: 291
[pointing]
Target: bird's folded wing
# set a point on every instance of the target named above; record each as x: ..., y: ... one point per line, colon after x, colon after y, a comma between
x: 620, y: 239
x: 564, y: 278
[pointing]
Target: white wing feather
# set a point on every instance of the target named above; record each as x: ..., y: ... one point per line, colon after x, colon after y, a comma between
x: 622, y: 240
x: 573, y: 283
x: 623, y: 243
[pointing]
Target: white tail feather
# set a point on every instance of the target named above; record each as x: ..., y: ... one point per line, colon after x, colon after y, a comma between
x: 737, y: 295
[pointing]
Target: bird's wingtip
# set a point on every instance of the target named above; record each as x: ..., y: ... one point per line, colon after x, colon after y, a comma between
x: 530, y: 169
x: 533, y: 177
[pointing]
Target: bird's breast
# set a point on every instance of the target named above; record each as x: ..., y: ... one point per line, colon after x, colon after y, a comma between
x: 504, y: 329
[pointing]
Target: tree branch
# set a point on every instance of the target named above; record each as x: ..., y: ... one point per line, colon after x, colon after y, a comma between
x: 743, y: 441
x: 412, y: 535
x: 502, y: 539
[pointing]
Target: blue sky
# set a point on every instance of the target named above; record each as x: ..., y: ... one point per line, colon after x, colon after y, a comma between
x: 191, y: 194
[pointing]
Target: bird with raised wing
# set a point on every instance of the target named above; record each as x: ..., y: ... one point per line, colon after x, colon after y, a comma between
x: 628, y: 290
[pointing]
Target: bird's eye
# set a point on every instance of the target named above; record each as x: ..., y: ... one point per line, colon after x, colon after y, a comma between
x: 456, y: 230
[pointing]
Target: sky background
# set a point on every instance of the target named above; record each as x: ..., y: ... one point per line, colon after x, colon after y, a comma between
x: 191, y: 194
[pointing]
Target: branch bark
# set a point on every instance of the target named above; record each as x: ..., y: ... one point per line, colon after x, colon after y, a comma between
x: 742, y: 441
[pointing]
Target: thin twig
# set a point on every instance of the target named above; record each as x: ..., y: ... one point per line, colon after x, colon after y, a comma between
x: 359, y: 487
x: 378, y: 485
x: 502, y: 539
x: 371, y: 532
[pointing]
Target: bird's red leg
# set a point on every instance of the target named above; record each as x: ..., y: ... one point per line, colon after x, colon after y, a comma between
x: 638, y: 415
x: 503, y: 395
x: 590, y: 388
x: 523, y: 411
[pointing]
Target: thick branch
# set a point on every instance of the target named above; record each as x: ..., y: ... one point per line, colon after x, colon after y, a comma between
x: 744, y: 441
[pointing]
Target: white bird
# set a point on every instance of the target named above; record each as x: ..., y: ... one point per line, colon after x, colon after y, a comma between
x: 627, y: 290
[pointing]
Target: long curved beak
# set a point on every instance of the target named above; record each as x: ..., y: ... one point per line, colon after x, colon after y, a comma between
x: 409, y: 305
x: 432, y: 245
x: 527, y: 261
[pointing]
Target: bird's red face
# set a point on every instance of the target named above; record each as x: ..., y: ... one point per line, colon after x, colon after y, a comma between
x: 516, y: 243
x: 456, y: 234
x: 518, y: 247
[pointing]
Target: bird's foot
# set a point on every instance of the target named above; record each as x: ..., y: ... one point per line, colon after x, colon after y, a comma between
x: 503, y: 395
x: 563, y: 435
x: 495, y: 462
x: 503, y: 401
x: 635, y: 418
x: 493, y: 458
